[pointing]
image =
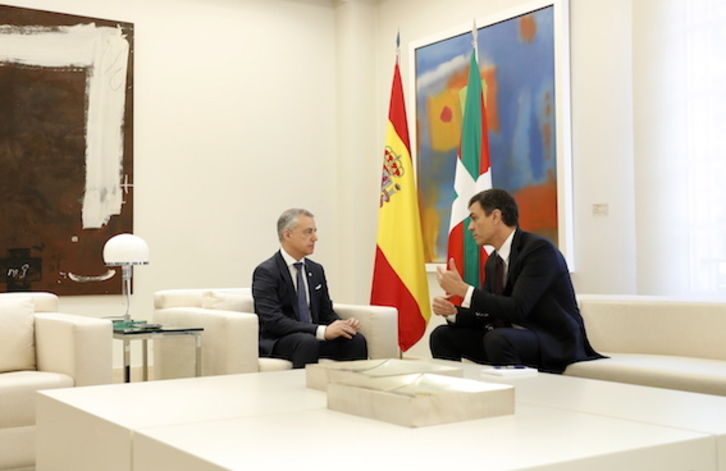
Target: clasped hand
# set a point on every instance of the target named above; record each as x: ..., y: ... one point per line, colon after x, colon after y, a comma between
x: 343, y: 328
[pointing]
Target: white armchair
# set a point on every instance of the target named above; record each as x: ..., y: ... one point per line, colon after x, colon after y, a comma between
x: 231, y: 329
x: 41, y: 348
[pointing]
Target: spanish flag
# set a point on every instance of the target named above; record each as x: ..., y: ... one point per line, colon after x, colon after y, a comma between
x: 473, y: 174
x: 399, y: 273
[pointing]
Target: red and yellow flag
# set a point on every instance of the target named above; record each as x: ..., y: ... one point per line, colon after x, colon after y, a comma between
x: 399, y: 273
x: 473, y: 174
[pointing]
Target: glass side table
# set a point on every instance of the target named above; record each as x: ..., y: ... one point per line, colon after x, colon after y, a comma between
x: 144, y: 332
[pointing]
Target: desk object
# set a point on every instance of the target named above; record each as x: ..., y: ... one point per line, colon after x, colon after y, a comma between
x: 128, y: 331
x: 419, y: 400
x: 319, y: 375
x: 509, y: 371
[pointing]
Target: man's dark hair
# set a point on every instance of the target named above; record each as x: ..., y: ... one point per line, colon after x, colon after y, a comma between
x: 496, y: 198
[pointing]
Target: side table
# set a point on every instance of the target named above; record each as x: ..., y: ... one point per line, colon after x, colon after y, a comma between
x: 145, y: 332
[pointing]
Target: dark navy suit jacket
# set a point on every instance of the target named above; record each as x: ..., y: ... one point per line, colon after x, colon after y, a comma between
x: 539, y: 296
x: 276, y: 300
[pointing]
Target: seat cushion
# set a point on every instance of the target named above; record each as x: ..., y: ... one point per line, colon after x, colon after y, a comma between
x: 17, y: 389
x: 662, y: 371
x: 274, y: 364
x: 17, y: 335
x: 17, y: 448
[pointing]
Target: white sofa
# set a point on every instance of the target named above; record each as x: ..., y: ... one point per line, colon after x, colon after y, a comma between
x: 655, y: 341
x: 43, y: 349
x: 230, y: 337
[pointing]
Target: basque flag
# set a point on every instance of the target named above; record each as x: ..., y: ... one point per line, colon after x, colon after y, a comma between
x: 473, y: 174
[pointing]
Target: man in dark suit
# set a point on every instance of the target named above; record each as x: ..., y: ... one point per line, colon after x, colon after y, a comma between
x: 300, y: 325
x: 534, y: 320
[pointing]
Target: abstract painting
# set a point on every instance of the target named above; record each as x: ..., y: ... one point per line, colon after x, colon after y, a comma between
x: 517, y: 62
x: 66, y: 149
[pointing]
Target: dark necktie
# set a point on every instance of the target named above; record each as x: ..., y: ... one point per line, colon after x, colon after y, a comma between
x: 499, y: 289
x: 303, y: 311
x: 499, y: 276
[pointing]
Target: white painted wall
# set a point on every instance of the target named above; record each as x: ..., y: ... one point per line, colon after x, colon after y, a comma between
x: 246, y: 107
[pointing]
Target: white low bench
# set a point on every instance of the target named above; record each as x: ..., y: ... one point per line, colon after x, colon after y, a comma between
x: 656, y: 341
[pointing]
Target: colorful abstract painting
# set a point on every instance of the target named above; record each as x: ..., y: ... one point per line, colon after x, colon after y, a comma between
x: 517, y: 68
x: 66, y: 149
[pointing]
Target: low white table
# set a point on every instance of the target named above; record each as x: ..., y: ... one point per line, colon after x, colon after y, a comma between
x: 237, y: 421
x: 93, y: 429
x: 667, y: 407
x: 535, y: 438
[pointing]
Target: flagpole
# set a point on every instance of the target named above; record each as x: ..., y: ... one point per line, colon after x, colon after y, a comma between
x: 475, y: 41
x: 473, y: 174
x: 399, y: 272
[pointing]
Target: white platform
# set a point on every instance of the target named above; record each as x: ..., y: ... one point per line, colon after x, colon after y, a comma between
x: 536, y: 437
x: 677, y: 409
x: 93, y: 430
x: 239, y: 421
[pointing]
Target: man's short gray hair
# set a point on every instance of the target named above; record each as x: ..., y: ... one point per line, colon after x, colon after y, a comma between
x: 288, y: 220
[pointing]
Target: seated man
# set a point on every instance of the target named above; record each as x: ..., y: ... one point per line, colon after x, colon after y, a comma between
x: 525, y: 313
x: 297, y: 321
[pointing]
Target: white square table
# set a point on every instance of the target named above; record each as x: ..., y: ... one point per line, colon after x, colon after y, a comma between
x: 658, y: 406
x: 534, y: 438
x: 228, y: 422
x: 91, y: 428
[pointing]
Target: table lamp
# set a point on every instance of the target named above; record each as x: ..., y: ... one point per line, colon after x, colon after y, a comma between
x: 125, y: 251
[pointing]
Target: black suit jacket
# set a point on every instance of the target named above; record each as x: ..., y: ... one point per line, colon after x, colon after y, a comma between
x: 539, y: 296
x: 276, y: 300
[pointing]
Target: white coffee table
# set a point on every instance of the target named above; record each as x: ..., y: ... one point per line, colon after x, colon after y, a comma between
x: 667, y: 407
x: 238, y: 421
x: 535, y: 438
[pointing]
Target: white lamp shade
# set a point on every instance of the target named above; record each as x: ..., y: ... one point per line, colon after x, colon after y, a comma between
x: 125, y: 249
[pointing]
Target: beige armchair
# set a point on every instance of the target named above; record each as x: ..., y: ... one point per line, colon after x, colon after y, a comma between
x: 41, y: 348
x: 230, y: 338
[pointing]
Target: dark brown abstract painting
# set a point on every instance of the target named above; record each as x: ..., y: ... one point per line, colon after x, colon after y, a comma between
x: 66, y: 149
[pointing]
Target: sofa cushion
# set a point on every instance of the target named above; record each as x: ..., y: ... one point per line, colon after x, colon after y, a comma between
x: 43, y: 301
x: 17, y: 409
x: 702, y: 375
x: 177, y: 298
x: 17, y: 342
x: 655, y: 325
x: 227, y: 301
x: 274, y: 364
x: 17, y: 448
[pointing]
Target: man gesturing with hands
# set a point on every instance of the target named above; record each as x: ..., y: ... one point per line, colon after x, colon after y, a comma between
x: 525, y: 313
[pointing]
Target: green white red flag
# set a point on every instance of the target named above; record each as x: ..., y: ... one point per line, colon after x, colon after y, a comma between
x: 473, y: 174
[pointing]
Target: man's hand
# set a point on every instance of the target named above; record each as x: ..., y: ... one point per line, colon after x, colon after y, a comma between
x: 450, y: 280
x: 347, y: 328
x: 443, y: 307
x: 353, y: 322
